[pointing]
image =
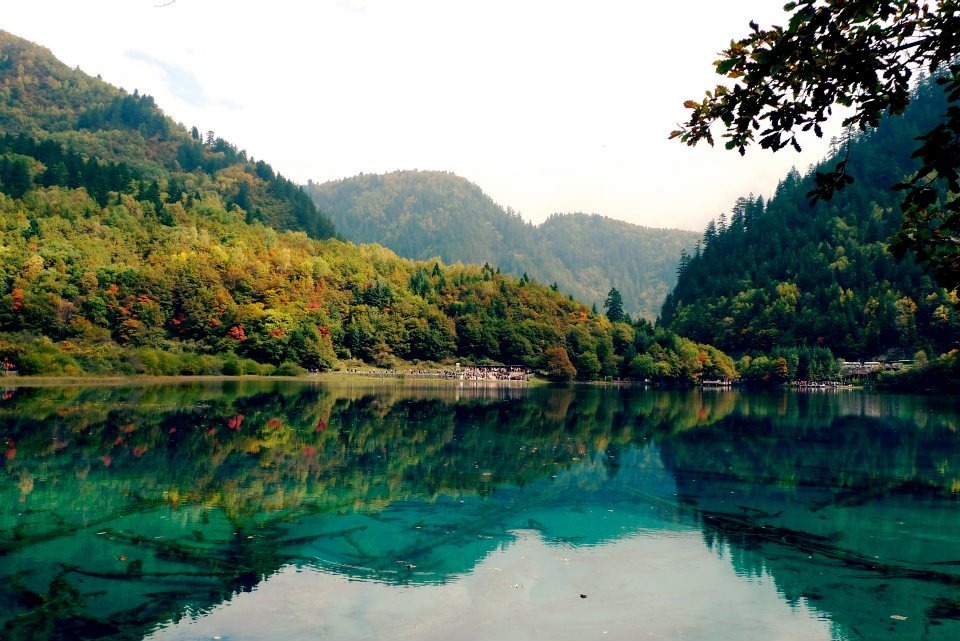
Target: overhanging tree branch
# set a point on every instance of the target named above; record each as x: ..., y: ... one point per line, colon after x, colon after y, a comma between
x: 863, y: 55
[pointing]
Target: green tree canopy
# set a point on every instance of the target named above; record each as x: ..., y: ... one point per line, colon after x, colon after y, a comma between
x: 614, y: 306
x: 863, y: 55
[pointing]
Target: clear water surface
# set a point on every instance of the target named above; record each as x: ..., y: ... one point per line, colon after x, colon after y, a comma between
x: 252, y: 510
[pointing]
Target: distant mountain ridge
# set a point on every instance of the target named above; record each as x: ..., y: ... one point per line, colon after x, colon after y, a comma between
x: 427, y: 214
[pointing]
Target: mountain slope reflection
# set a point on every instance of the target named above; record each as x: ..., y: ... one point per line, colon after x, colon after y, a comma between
x: 857, y: 515
x: 413, y: 542
x: 128, y: 508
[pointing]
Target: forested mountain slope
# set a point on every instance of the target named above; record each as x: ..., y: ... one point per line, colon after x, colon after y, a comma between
x: 128, y: 245
x: 424, y: 214
x: 599, y: 253
x: 77, y: 117
x: 788, y: 272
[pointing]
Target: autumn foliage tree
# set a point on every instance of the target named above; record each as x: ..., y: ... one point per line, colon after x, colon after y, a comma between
x: 557, y: 364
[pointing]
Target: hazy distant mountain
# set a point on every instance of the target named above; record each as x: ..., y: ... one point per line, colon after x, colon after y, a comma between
x: 427, y: 214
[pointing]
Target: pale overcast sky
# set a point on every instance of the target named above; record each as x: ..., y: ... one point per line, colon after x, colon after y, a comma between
x: 549, y: 106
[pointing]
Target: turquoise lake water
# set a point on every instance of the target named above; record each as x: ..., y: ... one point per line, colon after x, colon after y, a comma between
x: 248, y: 510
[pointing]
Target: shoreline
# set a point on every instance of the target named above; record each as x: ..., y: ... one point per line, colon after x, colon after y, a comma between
x: 438, y: 378
x: 339, y: 375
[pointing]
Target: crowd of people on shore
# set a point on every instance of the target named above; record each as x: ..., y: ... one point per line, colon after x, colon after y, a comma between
x: 492, y: 373
x: 819, y: 384
x: 470, y: 373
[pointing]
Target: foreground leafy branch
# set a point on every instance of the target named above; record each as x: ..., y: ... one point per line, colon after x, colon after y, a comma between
x: 862, y: 55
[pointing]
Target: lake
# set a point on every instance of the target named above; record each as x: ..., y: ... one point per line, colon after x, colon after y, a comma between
x: 351, y: 509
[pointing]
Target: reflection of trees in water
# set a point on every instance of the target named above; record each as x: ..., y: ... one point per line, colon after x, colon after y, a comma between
x: 226, y: 475
x: 865, y: 597
x: 186, y: 492
x: 855, y: 515
x: 273, y: 446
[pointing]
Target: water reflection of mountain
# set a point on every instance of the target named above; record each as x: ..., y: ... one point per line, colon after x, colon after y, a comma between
x: 122, y: 508
x: 856, y: 514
